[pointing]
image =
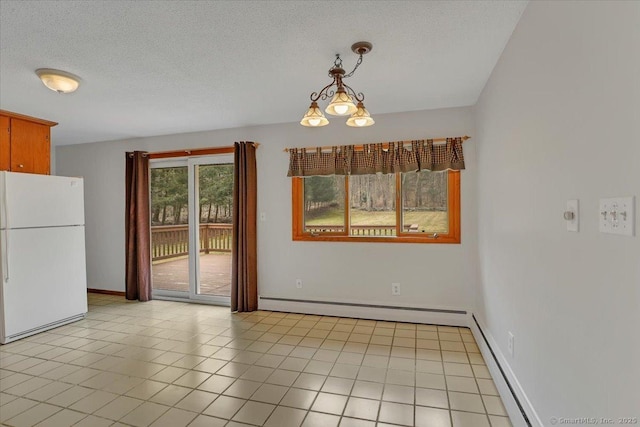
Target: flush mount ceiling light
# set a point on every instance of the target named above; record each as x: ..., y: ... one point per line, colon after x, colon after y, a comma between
x: 342, y: 97
x: 58, y: 81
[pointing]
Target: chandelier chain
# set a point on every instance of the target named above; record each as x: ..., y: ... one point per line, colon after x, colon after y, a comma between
x: 354, y: 68
x: 337, y: 63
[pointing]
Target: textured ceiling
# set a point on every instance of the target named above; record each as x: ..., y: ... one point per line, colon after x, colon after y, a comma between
x: 154, y: 68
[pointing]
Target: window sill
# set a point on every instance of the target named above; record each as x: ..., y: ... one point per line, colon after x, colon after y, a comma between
x: 402, y: 239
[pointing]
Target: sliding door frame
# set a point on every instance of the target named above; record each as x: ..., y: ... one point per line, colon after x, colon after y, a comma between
x: 193, y: 193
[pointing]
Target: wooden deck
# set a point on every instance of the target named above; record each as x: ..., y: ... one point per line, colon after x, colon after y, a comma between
x: 215, y: 274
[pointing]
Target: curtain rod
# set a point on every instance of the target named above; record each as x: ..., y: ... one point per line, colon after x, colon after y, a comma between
x: 190, y: 151
x: 384, y: 144
x: 199, y: 150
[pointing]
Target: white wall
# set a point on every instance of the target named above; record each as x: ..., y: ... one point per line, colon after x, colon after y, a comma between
x: 560, y: 119
x: 432, y: 275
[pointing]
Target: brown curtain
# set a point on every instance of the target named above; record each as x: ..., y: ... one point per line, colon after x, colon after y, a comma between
x: 398, y: 156
x: 244, y: 283
x: 138, y: 258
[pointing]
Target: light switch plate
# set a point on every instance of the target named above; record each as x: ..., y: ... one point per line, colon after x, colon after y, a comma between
x: 572, y: 206
x: 617, y: 215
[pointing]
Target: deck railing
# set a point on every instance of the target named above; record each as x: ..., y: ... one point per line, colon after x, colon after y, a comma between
x: 360, y: 230
x: 169, y: 241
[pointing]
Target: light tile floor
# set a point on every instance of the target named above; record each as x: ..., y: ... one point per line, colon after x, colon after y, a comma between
x: 174, y: 364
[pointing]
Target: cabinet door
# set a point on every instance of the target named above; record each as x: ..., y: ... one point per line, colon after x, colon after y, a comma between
x: 41, y: 152
x: 5, y: 144
x: 27, y: 142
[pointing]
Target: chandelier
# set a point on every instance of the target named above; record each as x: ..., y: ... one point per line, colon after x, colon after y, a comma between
x: 342, y: 97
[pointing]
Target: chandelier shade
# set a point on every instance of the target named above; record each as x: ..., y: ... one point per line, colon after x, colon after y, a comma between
x: 341, y: 105
x: 361, y: 118
x: 314, y: 117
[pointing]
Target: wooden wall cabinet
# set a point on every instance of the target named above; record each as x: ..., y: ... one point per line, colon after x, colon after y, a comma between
x: 25, y: 144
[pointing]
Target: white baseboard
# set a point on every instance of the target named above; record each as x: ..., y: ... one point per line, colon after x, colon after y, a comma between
x: 510, y: 402
x: 413, y: 314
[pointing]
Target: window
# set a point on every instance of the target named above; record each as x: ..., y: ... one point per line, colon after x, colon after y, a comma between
x: 418, y: 207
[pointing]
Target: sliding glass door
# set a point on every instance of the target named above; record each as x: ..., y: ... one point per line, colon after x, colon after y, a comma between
x: 191, y: 227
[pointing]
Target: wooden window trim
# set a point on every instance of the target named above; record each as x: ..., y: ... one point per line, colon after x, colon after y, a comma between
x: 454, y: 235
x: 191, y: 152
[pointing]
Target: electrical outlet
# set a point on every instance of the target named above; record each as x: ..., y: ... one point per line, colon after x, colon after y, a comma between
x: 299, y: 283
x: 510, y: 344
x: 395, y: 289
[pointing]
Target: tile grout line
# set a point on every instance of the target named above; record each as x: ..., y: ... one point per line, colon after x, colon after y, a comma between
x: 76, y: 334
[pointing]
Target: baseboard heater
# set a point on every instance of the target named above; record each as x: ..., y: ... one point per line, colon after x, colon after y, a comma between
x: 351, y: 304
x: 504, y: 376
x: 391, y: 313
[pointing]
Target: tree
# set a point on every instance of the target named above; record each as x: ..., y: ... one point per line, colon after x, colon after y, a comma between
x: 216, y: 190
x: 318, y: 191
x: 168, y: 194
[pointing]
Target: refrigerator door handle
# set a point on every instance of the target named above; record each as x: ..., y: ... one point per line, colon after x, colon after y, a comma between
x: 4, y: 204
x: 5, y: 256
x: 5, y: 253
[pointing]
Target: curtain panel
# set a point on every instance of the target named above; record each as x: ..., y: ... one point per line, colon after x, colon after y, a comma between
x: 244, y: 275
x: 403, y: 156
x: 138, y: 239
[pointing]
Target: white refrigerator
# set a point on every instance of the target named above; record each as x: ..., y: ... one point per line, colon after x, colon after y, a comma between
x: 43, y: 266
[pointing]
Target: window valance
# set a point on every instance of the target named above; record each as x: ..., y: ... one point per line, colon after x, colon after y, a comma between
x: 392, y: 157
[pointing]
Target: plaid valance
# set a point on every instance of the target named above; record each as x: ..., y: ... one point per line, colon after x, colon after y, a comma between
x: 403, y: 156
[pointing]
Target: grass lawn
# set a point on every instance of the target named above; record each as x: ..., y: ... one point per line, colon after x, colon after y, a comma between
x: 429, y: 221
